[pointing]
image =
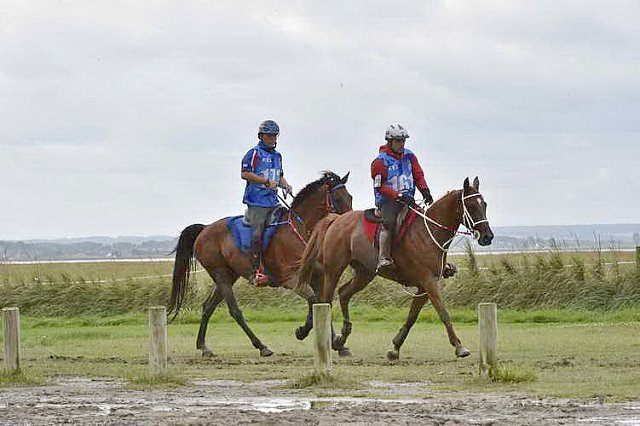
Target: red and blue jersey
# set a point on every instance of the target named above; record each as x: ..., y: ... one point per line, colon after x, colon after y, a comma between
x: 394, y: 174
x: 266, y: 163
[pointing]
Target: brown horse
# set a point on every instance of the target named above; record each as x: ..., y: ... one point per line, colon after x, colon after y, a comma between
x: 420, y: 256
x: 214, y: 247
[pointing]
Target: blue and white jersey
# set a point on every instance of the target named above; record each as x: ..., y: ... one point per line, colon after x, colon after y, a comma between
x: 400, y: 174
x: 265, y: 163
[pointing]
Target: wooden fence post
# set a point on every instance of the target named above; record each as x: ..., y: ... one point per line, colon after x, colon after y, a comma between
x: 638, y: 259
x: 11, y: 320
x: 488, y: 327
x: 322, y: 328
x: 157, y: 340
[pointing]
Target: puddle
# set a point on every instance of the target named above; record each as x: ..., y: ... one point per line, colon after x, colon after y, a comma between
x: 232, y: 402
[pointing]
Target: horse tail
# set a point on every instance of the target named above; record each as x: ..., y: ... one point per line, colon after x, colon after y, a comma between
x: 313, y: 251
x: 182, y: 267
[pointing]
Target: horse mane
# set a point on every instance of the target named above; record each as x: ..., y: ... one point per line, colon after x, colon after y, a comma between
x: 328, y: 178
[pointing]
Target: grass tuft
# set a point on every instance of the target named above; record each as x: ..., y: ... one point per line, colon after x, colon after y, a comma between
x: 163, y: 381
x: 20, y: 378
x: 323, y: 381
x: 513, y: 374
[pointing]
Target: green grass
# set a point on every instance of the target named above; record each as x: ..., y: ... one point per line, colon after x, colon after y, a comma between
x: 569, y: 360
x: 20, y: 378
x: 317, y: 380
x: 568, y: 326
x: 146, y: 381
x: 557, y: 280
x: 512, y: 374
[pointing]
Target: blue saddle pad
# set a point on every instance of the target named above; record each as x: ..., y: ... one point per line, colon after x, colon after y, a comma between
x: 242, y: 234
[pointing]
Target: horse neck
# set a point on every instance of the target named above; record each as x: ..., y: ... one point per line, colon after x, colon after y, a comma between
x: 313, y: 209
x: 447, y: 210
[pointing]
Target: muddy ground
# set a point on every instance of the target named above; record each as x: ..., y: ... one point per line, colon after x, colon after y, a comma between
x: 107, y: 401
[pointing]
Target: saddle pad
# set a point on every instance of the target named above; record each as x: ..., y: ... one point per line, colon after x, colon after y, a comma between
x: 242, y: 234
x: 371, y: 229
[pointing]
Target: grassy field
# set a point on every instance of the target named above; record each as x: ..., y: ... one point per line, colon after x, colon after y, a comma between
x: 569, y: 360
x: 569, y: 325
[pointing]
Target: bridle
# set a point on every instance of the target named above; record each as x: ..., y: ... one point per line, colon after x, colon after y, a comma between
x: 330, y: 205
x: 467, y: 220
x: 329, y: 200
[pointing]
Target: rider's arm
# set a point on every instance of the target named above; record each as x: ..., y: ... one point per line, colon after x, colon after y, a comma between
x: 253, y: 178
x: 249, y: 163
x: 379, y: 175
x: 418, y: 174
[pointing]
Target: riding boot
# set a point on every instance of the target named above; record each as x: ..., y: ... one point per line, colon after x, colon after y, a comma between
x: 449, y: 270
x: 385, y: 262
x: 259, y: 279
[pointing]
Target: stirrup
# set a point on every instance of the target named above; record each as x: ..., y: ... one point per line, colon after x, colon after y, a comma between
x: 385, y: 264
x: 260, y: 279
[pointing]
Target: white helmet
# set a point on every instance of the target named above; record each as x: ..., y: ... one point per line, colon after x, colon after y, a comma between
x: 395, y: 131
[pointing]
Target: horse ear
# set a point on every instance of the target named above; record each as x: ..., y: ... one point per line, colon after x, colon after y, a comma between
x: 345, y: 178
x: 476, y: 183
x: 465, y: 186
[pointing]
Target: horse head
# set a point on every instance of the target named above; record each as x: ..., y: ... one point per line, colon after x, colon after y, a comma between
x: 474, y: 212
x: 338, y: 198
x: 321, y: 197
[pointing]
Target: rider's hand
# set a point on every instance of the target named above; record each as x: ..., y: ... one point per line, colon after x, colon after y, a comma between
x: 426, y: 196
x: 288, y: 189
x: 406, y: 199
x: 271, y: 184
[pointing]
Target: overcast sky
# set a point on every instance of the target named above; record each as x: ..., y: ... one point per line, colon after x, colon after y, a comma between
x: 131, y: 117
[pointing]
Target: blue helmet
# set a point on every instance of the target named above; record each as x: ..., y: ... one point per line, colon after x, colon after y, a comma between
x: 269, y: 127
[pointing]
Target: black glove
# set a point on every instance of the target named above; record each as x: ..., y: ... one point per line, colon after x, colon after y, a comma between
x: 426, y: 195
x: 407, y: 199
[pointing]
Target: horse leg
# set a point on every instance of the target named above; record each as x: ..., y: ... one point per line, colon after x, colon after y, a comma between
x: 435, y: 295
x: 208, y: 307
x: 416, y: 306
x: 224, y: 281
x: 303, y: 331
x: 359, y: 281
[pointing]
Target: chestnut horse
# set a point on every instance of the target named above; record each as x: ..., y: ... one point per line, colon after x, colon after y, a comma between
x: 420, y: 256
x: 214, y: 247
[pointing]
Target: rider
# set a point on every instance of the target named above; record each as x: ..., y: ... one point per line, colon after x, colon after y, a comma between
x: 396, y: 173
x: 262, y: 169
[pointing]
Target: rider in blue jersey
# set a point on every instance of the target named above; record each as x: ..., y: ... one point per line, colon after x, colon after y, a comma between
x: 262, y: 169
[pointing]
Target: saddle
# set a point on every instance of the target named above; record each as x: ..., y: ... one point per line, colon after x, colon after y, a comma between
x: 372, y: 222
x: 242, y: 233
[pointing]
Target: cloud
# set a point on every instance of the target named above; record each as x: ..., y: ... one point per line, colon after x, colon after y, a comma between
x: 130, y: 117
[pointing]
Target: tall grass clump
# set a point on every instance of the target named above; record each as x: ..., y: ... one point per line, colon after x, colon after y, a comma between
x: 557, y: 279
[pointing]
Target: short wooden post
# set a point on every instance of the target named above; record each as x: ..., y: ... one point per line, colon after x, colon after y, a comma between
x: 322, y: 328
x: 11, y: 320
x: 488, y: 328
x: 157, y: 340
x: 638, y: 259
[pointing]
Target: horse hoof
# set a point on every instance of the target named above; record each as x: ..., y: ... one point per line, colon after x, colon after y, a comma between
x: 393, y: 355
x: 301, y: 333
x: 266, y: 352
x: 207, y: 353
x: 338, y: 342
x: 462, y: 352
x: 344, y: 351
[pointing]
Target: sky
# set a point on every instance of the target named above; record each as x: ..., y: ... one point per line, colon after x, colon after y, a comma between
x: 131, y: 117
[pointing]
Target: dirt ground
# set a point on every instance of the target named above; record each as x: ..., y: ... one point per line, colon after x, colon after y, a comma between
x: 108, y: 401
